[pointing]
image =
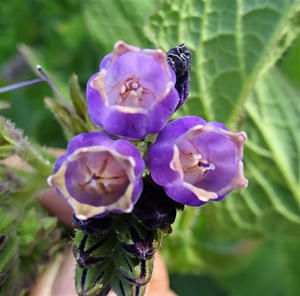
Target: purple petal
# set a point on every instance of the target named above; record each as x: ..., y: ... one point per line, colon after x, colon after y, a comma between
x: 178, y: 127
x: 197, y: 161
x: 99, y: 175
x: 133, y: 95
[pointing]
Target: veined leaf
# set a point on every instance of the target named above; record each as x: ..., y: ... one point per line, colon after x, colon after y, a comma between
x: 109, y: 21
x: 273, y: 271
x: 233, y: 42
x: 290, y: 64
x: 271, y: 204
x: 269, y: 208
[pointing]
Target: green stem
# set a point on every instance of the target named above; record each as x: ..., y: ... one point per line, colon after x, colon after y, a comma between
x: 30, y: 154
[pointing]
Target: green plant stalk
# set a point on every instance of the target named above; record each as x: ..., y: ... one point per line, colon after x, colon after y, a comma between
x: 31, y: 154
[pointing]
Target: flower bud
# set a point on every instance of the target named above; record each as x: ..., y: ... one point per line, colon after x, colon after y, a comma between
x: 179, y: 58
x: 155, y: 209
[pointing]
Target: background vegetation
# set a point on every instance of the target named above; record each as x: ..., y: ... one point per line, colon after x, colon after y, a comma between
x: 245, y: 73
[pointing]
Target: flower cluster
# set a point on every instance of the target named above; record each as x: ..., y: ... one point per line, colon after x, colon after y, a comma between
x: 134, y: 94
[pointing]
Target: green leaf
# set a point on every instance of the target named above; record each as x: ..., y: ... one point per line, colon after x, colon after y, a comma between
x: 270, y: 206
x: 29, y: 228
x: 209, y: 239
x: 233, y: 42
x: 273, y: 271
x: 30, y: 238
x: 193, y: 247
x: 8, y: 255
x: 110, y: 21
x: 290, y: 64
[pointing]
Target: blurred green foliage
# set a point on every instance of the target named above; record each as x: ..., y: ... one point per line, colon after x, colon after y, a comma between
x: 246, y: 69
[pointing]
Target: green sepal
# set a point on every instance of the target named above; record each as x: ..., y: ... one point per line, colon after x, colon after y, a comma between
x: 71, y: 123
x: 93, y: 280
x: 62, y: 114
x: 77, y: 98
x: 74, y: 118
x: 130, y: 279
x: 109, y: 264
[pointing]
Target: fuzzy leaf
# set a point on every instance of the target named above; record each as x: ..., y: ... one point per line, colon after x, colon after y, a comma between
x: 128, y: 19
x: 290, y: 63
x: 270, y: 206
x: 233, y: 44
x: 274, y: 270
x: 30, y: 238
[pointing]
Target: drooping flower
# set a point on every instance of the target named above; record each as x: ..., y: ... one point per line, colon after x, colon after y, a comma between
x: 133, y: 93
x: 98, y: 175
x: 196, y: 161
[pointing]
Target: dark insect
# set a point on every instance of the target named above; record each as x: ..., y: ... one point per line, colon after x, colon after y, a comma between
x: 179, y: 58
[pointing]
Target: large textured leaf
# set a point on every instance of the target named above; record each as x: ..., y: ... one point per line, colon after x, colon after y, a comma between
x: 271, y: 204
x: 214, y: 238
x: 109, y: 21
x: 233, y: 42
x: 290, y: 64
